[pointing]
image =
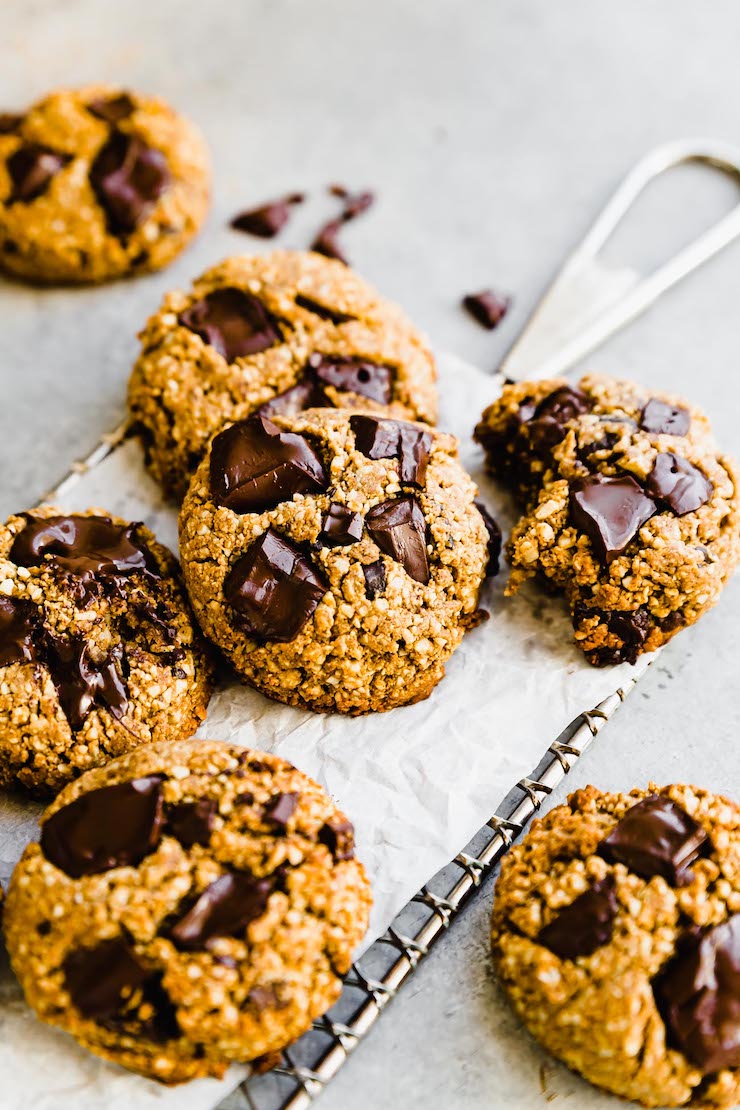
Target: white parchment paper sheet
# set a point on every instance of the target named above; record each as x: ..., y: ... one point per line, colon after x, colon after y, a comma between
x: 417, y: 782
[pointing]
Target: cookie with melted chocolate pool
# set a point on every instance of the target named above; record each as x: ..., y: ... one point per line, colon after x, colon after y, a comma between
x: 616, y: 936
x: 278, y: 333
x: 336, y: 558
x: 98, y: 648
x: 188, y: 906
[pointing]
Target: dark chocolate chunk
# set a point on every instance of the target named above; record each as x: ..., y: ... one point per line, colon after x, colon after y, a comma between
x: 672, y: 622
x: 262, y: 998
x: 631, y: 626
x: 356, y: 204
x: 273, y: 588
x: 354, y: 375
x: 306, y: 394
x: 545, y: 424
x: 19, y: 625
x: 494, y: 540
x: 610, y: 511
x: 338, y: 835
x: 322, y: 310
x: 224, y: 909
x: 128, y: 178
x: 698, y: 996
x: 399, y: 529
x: 101, y: 980
x: 255, y: 465
x: 394, y: 439
x: 487, y: 307
x: 85, y: 547
x: 235, y: 323
x: 266, y: 220
x: 161, y: 618
x: 280, y: 809
x: 585, y: 925
x: 156, y: 1019
x: 327, y: 241
x: 348, y: 375
x: 341, y: 527
x: 112, y: 109
x: 660, y: 418
x: 375, y: 578
x: 192, y: 822
x: 606, y: 442
x: 9, y: 122
x: 115, y: 826
x: 656, y: 837
x: 82, y: 682
x: 674, y: 482
x: 257, y: 766
x: 31, y: 168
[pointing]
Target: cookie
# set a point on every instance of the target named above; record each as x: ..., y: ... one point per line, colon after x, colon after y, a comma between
x: 97, y: 183
x: 334, y: 557
x: 277, y: 333
x: 98, y: 649
x: 189, y: 905
x: 630, y: 510
x: 616, y: 936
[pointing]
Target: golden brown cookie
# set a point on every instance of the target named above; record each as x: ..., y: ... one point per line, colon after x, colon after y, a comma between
x: 336, y: 558
x: 98, y: 648
x: 98, y: 183
x: 279, y: 333
x: 189, y: 905
x: 616, y: 935
x: 630, y: 509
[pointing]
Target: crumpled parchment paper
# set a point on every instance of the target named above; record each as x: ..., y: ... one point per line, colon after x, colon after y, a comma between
x: 417, y: 782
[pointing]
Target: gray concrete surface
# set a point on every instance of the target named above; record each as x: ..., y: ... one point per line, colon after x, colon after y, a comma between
x: 492, y: 131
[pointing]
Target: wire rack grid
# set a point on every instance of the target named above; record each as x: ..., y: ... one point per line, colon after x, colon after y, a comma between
x: 304, y: 1070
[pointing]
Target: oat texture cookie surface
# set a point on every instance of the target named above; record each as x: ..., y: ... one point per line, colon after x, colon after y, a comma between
x: 98, y: 183
x: 335, y: 557
x: 98, y: 648
x: 629, y: 508
x: 616, y: 935
x: 279, y: 333
x: 189, y: 905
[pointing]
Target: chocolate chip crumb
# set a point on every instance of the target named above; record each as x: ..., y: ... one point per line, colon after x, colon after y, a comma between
x: 487, y: 307
x: 267, y: 220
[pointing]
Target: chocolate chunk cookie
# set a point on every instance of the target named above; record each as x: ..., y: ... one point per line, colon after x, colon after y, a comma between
x: 277, y: 333
x: 98, y: 649
x: 97, y: 183
x: 630, y: 509
x: 616, y: 935
x: 335, y: 558
x: 189, y: 905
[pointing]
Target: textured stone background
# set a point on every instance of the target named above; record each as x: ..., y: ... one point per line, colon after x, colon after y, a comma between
x: 493, y: 132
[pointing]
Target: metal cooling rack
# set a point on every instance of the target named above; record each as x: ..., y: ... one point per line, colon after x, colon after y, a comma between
x: 311, y: 1063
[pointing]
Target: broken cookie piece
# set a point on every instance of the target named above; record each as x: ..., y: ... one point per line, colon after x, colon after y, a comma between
x: 629, y: 508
